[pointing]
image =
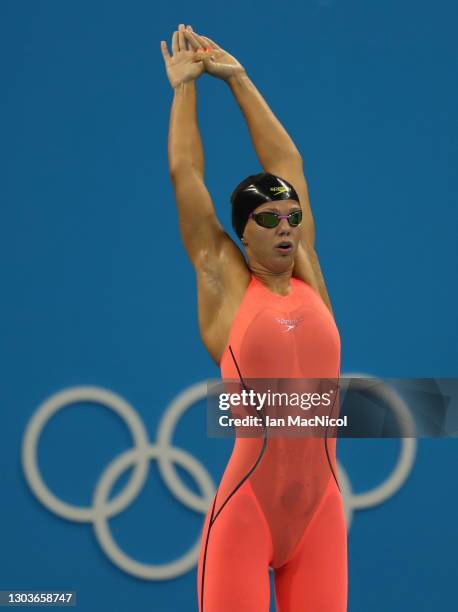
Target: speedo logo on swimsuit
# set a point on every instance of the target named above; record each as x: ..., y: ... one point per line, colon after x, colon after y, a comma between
x: 291, y: 324
x: 278, y: 189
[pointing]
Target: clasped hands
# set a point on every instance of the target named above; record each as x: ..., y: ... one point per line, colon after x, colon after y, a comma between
x: 193, y: 54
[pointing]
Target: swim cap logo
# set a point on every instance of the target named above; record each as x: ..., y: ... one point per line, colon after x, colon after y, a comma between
x: 278, y: 190
x: 291, y: 324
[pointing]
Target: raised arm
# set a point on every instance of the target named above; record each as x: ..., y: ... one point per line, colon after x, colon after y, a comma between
x: 220, y: 267
x: 199, y: 226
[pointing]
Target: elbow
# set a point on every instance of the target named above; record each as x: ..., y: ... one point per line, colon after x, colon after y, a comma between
x: 180, y: 167
x: 183, y: 163
x: 295, y: 155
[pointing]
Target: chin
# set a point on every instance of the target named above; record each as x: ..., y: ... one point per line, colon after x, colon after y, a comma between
x: 280, y: 264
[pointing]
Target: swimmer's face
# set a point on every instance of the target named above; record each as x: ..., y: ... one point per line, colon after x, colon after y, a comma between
x: 262, y: 244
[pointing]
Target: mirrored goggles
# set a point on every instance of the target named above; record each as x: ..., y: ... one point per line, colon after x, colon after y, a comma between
x: 272, y: 219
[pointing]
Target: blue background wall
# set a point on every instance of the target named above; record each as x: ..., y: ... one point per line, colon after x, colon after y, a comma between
x: 96, y: 288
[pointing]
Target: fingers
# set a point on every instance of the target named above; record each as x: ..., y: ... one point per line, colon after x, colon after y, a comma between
x: 175, y: 46
x: 181, y: 38
x: 184, y: 39
x: 165, y: 51
x: 210, y: 42
x: 194, y: 40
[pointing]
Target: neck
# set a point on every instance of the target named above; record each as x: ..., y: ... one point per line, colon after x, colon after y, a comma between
x: 277, y: 282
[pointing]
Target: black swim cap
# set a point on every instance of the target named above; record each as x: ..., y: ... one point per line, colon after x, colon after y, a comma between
x: 255, y: 190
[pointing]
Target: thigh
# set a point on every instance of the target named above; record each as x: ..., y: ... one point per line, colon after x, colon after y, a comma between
x: 233, y: 570
x: 315, y: 579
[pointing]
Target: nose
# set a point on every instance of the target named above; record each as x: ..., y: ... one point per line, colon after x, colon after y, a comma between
x: 284, y: 228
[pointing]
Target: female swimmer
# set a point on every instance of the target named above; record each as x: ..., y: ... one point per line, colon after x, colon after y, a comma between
x: 263, y: 316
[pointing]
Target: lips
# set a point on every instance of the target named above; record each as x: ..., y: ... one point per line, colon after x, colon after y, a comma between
x: 284, y: 247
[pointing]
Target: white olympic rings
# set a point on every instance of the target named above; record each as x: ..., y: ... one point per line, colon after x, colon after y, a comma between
x: 166, y: 455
